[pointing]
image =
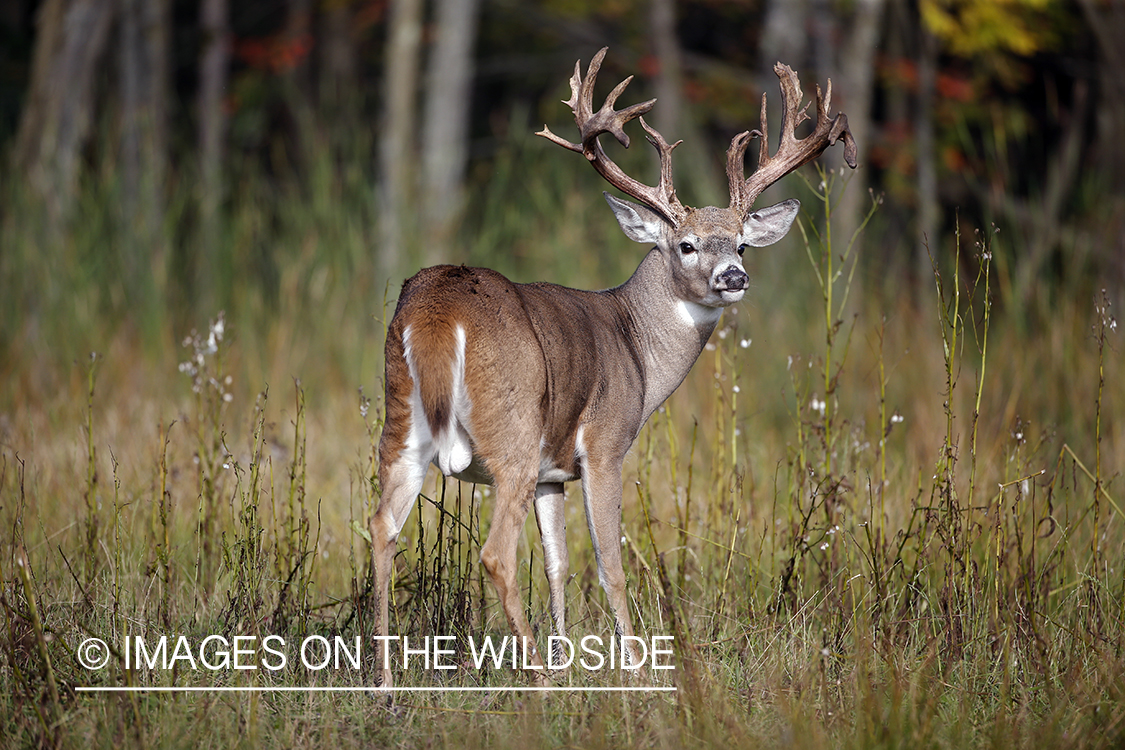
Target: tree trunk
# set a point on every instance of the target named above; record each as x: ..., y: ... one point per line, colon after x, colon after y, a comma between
x: 1107, y: 21
x: 214, y: 68
x: 397, y: 146
x: 784, y: 39
x: 56, y: 121
x: 445, y: 135
x: 853, y: 95
x: 339, y: 60
x: 928, y: 205
x: 297, y: 80
x: 144, y: 28
x: 670, y: 117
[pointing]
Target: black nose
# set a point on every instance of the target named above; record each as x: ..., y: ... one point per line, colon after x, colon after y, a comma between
x: 734, y: 279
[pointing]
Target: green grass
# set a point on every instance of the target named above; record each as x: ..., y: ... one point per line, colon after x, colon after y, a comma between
x: 864, y: 525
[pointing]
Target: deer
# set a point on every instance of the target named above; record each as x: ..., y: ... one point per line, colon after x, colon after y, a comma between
x: 526, y: 387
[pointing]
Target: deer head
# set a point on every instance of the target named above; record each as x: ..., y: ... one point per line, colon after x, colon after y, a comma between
x: 708, y: 238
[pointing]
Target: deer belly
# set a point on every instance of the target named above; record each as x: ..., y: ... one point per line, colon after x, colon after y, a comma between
x: 549, y: 473
x: 549, y: 469
x: 476, y: 472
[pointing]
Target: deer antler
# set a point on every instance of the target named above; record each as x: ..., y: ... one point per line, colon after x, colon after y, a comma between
x: 661, y: 197
x: 792, y: 152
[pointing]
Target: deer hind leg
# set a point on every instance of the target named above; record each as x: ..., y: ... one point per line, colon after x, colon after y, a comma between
x: 549, y: 514
x: 400, y: 481
x: 601, y: 490
x: 499, y: 555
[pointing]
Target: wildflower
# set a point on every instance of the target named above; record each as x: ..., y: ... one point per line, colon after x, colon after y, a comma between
x: 745, y: 343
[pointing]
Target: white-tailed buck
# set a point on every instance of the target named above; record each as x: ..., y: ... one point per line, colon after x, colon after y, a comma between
x: 529, y: 386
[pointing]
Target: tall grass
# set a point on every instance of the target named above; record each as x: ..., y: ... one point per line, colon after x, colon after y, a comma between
x: 866, y: 521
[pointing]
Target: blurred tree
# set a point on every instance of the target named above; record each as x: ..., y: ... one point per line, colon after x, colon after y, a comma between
x: 853, y: 93
x: 1106, y: 19
x: 57, y: 118
x: 926, y: 240
x: 445, y: 133
x: 671, y: 117
x: 339, y: 64
x: 214, y: 72
x: 297, y: 78
x: 784, y: 39
x: 397, y: 188
x: 145, y: 27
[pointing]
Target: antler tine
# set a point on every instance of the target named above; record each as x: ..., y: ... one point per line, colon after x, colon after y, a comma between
x: 662, y: 197
x: 665, y: 187
x: 736, y: 156
x: 792, y: 152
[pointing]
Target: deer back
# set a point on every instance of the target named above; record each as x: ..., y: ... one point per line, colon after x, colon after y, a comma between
x: 500, y: 363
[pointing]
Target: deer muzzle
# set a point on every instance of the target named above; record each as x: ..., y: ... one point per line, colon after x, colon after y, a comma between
x: 733, y: 280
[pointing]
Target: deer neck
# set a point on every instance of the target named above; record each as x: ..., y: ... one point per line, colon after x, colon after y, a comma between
x: 669, y: 332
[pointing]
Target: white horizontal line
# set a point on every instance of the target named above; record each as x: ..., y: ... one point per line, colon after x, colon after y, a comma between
x: 327, y: 689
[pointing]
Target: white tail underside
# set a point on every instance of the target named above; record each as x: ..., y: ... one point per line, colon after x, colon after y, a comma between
x: 450, y: 449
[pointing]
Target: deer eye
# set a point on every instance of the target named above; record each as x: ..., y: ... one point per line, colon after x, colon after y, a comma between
x: 687, y: 248
x: 742, y: 249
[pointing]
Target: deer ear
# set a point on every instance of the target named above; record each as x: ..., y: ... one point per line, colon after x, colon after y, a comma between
x: 640, y: 224
x: 766, y: 226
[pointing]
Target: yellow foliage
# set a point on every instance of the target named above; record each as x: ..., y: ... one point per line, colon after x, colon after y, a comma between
x: 968, y: 28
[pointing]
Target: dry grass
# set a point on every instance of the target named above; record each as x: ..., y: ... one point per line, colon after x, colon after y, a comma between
x: 856, y: 539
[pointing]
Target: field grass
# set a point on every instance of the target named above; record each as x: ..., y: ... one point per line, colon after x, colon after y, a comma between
x: 867, y: 521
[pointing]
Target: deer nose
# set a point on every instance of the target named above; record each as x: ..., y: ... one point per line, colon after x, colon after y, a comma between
x: 734, y: 279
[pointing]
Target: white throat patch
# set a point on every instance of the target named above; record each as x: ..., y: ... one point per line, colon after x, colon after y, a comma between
x: 697, y: 315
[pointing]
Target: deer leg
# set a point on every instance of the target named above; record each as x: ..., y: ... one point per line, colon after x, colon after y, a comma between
x: 549, y: 502
x: 400, y: 482
x: 601, y: 490
x: 499, y: 557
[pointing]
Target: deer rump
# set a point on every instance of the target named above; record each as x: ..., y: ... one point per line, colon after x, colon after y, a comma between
x: 504, y: 372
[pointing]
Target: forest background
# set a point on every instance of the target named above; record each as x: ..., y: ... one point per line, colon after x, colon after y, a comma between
x: 155, y: 150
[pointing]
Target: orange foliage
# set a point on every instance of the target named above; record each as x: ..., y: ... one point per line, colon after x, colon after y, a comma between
x: 279, y: 53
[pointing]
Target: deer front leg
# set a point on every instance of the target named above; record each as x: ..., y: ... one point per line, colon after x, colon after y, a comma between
x: 550, y: 500
x: 601, y: 489
x: 499, y: 557
x: 400, y: 483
